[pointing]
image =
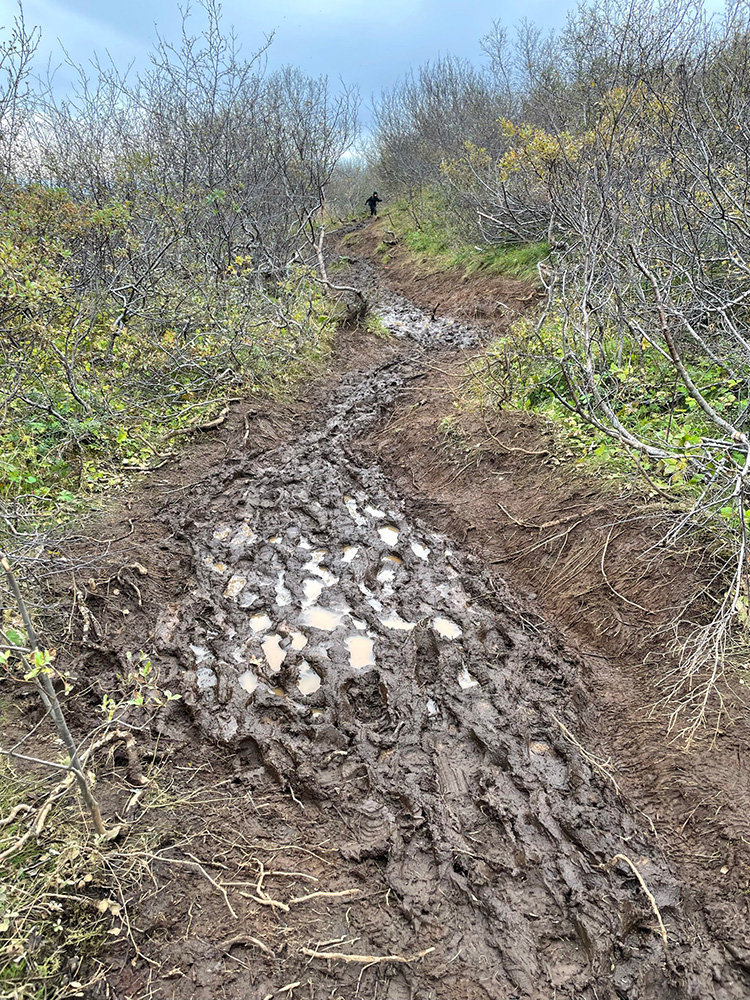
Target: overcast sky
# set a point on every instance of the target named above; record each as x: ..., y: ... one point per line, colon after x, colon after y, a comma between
x: 367, y: 44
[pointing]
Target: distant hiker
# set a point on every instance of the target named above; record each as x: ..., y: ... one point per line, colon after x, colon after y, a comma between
x: 372, y: 202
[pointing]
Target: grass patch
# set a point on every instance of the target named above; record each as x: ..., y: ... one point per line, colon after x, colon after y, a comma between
x: 65, y: 894
x: 374, y: 325
x: 434, y: 237
x: 523, y: 370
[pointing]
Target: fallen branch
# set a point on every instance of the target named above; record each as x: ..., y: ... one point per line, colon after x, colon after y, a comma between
x: 208, y: 426
x: 36, y: 827
x: 20, y: 808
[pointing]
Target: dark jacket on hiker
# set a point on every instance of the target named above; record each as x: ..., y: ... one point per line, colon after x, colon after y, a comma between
x: 372, y: 203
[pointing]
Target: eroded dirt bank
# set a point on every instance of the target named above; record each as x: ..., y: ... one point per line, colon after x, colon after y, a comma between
x: 405, y: 810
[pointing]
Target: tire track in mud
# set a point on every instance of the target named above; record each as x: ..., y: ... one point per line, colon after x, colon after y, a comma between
x: 381, y: 672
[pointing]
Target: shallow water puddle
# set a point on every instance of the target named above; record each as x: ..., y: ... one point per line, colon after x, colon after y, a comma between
x: 314, y: 566
x: 350, y: 552
x: 447, y: 628
x: 359, y: 624
x: 420, y: 551
x: 395, y: 621
x: 389, y: 534
x: 218, y: 567
x: 324, y: 573
x: 466, y: 681
x: 274, y: 653
x: 361, y: 651
x: 299, y: 640
x: 235, y: 586
x: 374, y: 512
x: 312, y: 589
x: 322, y: 618
x: 206, y: 678
x: 248, y: 681
x: 386, y: 575
x: 259, y: 623
x: 200, y: 653
x: 432, y: 708
x: 309, y: 681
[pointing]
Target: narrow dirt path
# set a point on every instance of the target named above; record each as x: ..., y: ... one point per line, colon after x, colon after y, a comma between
x: 410, y: 813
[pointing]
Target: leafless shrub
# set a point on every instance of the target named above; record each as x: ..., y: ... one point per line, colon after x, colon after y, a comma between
x: 18, y: 43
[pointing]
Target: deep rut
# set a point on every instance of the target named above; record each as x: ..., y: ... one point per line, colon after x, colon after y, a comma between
x: 385, y: 676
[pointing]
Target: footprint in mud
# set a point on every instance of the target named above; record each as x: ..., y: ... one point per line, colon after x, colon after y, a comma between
x: 328, y: 581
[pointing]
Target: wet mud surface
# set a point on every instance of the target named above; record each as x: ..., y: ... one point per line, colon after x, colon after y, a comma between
x: 391, y: 710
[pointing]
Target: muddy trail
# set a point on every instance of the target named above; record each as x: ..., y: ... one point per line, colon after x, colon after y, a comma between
x: 411, y: 812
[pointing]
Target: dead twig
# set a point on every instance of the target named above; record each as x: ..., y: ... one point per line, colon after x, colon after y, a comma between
x: 514, y: 451
x: 646, y: 891
x: 324, y: 895
x: 208, y: 426
x: 602, y: 767
x: 43, y: 682
x: 266, y: 901
x: 37, y: 817
x: 338, y: 956
x: 20, y: 808
x: 606, y: 579
x: 246, y: 939
x: 196, y: 865
x: 547, y: 524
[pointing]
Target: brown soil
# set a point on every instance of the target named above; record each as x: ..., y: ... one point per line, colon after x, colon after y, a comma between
x: 494, y: 302
x: 591, y: 563
x: 458, y: 811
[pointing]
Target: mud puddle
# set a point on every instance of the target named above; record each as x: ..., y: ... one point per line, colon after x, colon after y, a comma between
x: 401, y: 694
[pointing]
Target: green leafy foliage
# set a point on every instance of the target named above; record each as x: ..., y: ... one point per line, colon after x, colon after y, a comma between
x: 92, y: 388
x: 526, y: 370
x: 432, y: 234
